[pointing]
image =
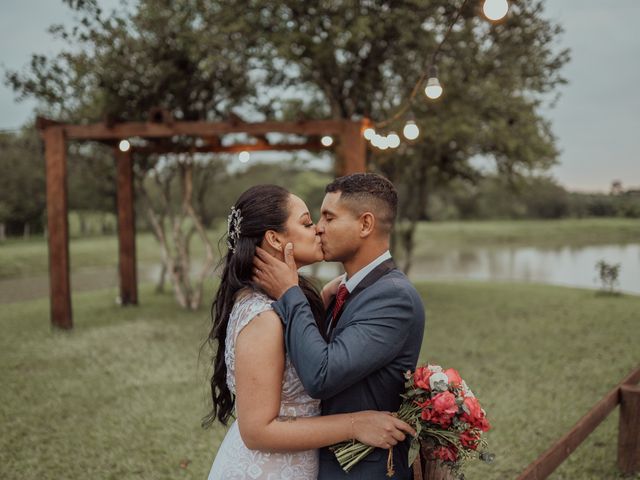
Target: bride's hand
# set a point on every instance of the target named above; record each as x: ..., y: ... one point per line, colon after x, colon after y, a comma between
x: 330, y: 289
x: 379, y: 429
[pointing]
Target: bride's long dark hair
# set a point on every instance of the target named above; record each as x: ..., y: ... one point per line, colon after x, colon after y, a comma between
x: 262, y: 207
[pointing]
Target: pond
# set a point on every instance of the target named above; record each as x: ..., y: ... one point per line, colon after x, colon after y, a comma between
x: 567, y: 266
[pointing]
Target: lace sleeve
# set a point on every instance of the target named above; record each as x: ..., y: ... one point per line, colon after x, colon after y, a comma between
x: 245, y: 310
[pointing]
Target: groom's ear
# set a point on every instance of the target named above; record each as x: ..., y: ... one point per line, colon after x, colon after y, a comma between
x: 367, y: 224
x: 273, y: 239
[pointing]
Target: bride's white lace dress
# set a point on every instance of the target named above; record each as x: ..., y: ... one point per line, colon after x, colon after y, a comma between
x: 234, y: 460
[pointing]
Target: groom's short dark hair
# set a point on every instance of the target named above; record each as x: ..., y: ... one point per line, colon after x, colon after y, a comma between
x: 368, y: 192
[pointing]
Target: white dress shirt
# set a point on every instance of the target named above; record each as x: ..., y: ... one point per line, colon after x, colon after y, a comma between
x: 357, y: 277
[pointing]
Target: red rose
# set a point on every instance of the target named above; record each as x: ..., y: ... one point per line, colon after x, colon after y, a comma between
x: 445, y: 454
x: 454, y: 377
x: 483, y: 424
x: 421, y: 378
x: 476, y: 416
x: 470, y: 439
x: 445, y: 403
x: 473, y: 406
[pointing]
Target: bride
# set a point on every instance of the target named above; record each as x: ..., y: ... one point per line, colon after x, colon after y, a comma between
x: 278, y: 427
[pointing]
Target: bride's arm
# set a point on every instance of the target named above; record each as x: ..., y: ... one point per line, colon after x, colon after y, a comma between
x: 330, y: 289
x: 259, y: 370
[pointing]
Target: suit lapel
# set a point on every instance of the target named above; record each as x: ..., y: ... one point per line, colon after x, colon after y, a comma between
x: 373, y: 276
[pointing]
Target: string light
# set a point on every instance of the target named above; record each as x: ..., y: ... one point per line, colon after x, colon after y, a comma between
x: 327, y: 141
x: 244, y: 156
x: 433, y: 89
x: 410, y: 130
x: 369, y: 133
x: 393, y: 140
x: 124, y: 145
x: 495, y: 10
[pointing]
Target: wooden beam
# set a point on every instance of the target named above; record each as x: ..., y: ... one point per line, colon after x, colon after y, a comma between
x: 233, y: 148
x: 352, y: 149
x: 629, y: 430
x: 102, y: 131
x: 57, y: 226
x: 126, y: 229
x: 546, y: 463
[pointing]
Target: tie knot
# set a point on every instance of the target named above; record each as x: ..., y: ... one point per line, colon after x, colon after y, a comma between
x: 342, y: 293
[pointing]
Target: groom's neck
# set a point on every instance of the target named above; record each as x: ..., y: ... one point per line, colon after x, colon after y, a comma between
x: 364, y: 256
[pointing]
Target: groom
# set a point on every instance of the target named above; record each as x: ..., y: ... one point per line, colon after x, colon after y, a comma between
x: 374, y: 324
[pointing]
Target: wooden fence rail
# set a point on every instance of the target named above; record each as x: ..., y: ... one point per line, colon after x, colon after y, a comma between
x: 627, y: 394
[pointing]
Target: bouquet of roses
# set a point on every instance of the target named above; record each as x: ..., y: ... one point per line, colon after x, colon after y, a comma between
x: 446, y: 415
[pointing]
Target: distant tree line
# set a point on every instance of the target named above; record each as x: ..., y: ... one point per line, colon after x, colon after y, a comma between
x: 91, y: 184
x: 537, y: 197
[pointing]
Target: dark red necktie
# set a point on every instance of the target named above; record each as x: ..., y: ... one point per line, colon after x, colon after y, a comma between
x: 341, y: 296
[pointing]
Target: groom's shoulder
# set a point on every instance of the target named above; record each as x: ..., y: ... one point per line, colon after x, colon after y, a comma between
x: 395, y: 284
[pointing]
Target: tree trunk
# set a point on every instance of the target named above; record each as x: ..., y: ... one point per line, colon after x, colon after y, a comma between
x: 3, y: 234
x: 26, y: 231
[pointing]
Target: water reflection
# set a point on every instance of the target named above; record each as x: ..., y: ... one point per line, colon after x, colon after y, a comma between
x: 572, y: 266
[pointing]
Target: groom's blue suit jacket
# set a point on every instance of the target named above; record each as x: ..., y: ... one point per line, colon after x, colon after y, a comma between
x: 362, y: 363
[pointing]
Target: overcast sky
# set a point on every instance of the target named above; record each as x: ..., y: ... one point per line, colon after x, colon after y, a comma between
x: 596, y: 121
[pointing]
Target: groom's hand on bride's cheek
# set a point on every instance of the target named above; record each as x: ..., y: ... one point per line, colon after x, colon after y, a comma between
x: 272, y: 275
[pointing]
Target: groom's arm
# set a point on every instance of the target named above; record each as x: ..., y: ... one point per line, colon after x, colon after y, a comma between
x: 372, y: 338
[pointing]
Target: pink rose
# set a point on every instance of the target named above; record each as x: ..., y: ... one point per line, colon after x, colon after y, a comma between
x: 445, y: 403
x: 421, y: 378
x: 454, y: 377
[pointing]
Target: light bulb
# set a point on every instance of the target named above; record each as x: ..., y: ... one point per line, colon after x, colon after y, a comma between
x: 327, y: 141
x: 369, y: 133
x: 495, y: 9
x: 124, y: 146
x: 383, y: 142
x: 244, y: 156
x: 393, y: 140
x: 375, y: 140
x: 433, y: 89
x: 410, y: 130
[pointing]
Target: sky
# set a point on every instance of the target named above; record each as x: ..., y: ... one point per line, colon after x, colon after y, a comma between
x: 596, y: 120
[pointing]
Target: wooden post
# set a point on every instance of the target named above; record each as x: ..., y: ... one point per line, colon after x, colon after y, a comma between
x: 352, y: 150
x: 126, y: 229
x: 629, y: 430
x: 58, y: 227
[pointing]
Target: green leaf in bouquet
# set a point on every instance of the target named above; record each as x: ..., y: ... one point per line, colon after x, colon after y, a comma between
x: 414, y: 450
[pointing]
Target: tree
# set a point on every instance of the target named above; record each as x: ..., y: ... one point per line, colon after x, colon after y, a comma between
x: 364, y: 59
x: 22, y: 192
x: 343, y: 60
x: 184, y: 57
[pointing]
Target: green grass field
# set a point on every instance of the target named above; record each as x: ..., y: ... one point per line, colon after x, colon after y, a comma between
x: 121, y: 396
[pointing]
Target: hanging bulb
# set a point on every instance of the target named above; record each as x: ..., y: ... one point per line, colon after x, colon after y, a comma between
x: 124, y: 145
x: 244, y: 156
x: 393, y: 140
x: 433, y: 89
x: 383, y: 142
x: 369, y: 133
x: 495, y: 10
x: 327, y: 141
x: 410, y: 130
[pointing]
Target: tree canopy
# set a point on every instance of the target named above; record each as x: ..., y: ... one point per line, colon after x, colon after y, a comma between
x: 345, y: 60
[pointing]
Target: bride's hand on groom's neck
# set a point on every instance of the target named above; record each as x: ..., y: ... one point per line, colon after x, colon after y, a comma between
x: 274, y: 276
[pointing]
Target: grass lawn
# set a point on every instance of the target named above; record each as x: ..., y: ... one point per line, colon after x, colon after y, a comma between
x: 121, y: 396
x: 435, y: 236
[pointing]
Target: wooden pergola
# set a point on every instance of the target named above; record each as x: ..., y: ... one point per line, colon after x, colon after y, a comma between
x: 349, y: 144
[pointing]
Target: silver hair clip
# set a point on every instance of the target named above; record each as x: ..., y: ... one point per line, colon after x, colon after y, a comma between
x: 233, y: 228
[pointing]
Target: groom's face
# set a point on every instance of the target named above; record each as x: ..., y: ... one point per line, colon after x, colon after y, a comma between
x: 338, y: 229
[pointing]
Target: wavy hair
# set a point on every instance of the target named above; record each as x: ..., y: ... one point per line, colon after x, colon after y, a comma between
x: 263, y: 207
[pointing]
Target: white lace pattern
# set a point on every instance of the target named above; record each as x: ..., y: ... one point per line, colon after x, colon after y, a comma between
x: 234, y: 461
